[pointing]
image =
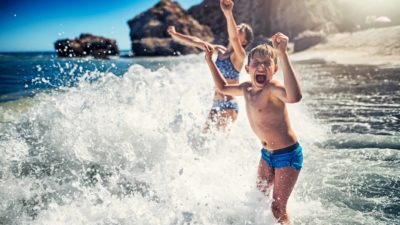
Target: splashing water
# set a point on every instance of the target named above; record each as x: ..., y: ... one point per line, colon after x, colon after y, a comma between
x: 130, y: 150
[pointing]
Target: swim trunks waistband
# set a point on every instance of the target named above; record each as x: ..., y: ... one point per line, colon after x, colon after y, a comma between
x: 283, y: 150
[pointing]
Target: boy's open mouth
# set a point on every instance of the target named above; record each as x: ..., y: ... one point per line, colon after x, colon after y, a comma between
x: 261, y: 78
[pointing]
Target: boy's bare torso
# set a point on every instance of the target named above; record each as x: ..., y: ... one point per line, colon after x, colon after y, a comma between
x: 268, y: 117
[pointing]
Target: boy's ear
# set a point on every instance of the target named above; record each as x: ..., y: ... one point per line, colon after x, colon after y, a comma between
x: 276, y: 68
x: 246, y: 67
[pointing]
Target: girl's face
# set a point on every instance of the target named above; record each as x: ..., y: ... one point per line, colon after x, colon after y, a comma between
x: 242, y: 35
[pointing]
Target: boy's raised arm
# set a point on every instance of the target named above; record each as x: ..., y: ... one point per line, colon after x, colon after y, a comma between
x: 291, y: 84
x: 227, y: 7
x: 220, y: 82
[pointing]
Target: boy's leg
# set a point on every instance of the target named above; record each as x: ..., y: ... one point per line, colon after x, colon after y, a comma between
x: 265, y: 179
x: 284, y: 181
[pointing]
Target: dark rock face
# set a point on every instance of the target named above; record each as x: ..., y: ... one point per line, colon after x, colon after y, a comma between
x: 209, y: 13
x: 148, y: 31
x: 160, y: 47
x: 270, y: 16
x: 86, y: 45
x: 308, y: 39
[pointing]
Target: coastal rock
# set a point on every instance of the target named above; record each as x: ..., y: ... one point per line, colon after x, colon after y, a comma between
x: 148, y: 31
x: 270, y: 16
x: 308, y: 39
x: 209, y: 13
x: 86, y: 45
x: 160, y: 47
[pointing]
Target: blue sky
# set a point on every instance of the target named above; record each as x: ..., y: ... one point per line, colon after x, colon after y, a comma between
x: 36, y: 24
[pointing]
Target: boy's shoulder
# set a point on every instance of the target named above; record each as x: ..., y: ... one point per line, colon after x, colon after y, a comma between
x: 276, y: 84
x: 245, y: 85
x: 273, y: 85
x: 275, y: 88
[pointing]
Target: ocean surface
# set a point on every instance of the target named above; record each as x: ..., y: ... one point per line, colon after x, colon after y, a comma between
x: 107, y: 142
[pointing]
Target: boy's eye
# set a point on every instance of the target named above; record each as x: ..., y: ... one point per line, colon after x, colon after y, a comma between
x: 255, y: 64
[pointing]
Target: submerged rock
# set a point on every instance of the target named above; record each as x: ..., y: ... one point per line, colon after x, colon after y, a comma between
x: 148, y: 31
x: 86, y: 45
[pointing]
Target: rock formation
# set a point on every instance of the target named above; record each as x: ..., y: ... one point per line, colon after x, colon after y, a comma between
x: 148, y: 31
x: 206, y: 20
x: 308, y: 39
x: 270, y: 16
x: 86, y: 45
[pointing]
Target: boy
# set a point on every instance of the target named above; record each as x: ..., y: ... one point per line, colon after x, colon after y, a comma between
x: 265, y: 98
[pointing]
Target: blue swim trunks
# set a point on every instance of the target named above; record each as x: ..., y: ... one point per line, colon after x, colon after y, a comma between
x: 291, y: 156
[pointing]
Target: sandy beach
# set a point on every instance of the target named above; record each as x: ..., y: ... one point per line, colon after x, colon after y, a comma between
x: 377, y: 46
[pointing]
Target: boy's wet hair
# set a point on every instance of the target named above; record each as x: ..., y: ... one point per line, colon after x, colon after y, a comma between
x: 248, y: 33
x: 263, y: 49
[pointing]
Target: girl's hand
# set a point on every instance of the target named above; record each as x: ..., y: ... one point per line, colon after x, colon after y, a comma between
x: 280, y: 41
x: 226, y: 5
x: 171, y: 30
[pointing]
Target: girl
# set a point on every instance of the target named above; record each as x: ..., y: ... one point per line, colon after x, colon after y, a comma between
x: 230, y: 61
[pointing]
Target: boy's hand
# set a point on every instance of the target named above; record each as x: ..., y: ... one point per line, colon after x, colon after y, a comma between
x: 171, y: 30
x: 226, y: 5
x: 208, y: 49
x: 280, y: 41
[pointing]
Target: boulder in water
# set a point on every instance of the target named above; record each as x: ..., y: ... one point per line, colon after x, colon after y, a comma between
x: 86, y: 45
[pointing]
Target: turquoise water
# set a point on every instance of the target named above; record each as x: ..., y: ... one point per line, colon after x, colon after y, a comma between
x: 120, y: 142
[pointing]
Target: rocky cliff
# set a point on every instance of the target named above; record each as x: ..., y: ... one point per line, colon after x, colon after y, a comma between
x: 86, y: 45
x: 307, y: 22
x: 148, y: 31
x: 270, y: 16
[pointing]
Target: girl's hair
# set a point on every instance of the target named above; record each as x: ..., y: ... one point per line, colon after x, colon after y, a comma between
x: 248, y: 33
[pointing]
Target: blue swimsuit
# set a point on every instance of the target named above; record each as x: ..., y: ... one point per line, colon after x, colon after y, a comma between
x: 291, y: 156
x: 227, y: 69
x: 229, y: 72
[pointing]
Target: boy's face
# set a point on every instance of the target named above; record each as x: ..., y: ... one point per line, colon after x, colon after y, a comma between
x: 261, y: 69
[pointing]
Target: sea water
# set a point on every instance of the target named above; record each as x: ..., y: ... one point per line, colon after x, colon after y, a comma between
x: 120, y: 141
